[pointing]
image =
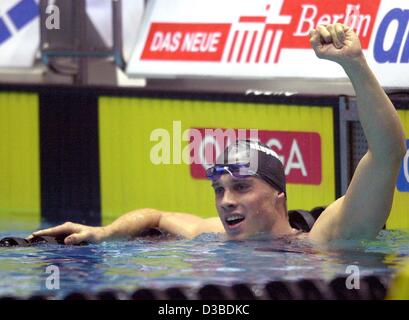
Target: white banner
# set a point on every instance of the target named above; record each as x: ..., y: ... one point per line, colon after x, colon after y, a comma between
x: 20, y: 28
x: 267, y: 38
x: 19, y: 33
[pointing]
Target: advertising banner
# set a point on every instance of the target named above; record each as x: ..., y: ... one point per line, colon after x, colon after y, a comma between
x: 300, y: 152
x: 19, y: 33
x: 267, y: 38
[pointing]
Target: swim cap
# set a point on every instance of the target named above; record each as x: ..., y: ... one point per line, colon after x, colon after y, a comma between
x: 260, y: 160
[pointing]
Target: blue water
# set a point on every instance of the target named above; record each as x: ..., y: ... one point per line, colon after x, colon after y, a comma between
x: 193, y: 263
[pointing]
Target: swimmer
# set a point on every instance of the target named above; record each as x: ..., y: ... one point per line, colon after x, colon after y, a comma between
x: 250, y: 195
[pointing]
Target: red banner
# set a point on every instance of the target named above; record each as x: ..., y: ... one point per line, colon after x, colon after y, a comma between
x: 186, y: 41
x: 300, y: 152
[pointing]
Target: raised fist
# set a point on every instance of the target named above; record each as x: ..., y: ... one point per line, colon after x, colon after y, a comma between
x: 336, y: 42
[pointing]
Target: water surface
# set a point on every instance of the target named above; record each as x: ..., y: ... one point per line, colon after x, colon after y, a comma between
x: 206, y: 259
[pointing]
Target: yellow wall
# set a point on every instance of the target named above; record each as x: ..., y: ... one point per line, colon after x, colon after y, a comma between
x: 399, y: 288
x: 129, y: 180
x: 399, y: 218
x: 19, y: 158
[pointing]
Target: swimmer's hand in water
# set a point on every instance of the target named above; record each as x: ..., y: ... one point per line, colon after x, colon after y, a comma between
x: 74, y: 233
x: 336, y: 42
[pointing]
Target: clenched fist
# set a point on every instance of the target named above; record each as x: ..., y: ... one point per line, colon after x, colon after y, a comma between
x: 336, y: 42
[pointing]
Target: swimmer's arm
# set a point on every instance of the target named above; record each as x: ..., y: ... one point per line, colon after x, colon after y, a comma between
x: 364, y: 209
x: 183, y: 224
x: 132, y: 223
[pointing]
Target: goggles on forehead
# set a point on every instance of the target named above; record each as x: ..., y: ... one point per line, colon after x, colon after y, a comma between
x: 236, y: 170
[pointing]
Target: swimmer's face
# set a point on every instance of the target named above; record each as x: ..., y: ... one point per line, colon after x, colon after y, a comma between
x: 247, y: 206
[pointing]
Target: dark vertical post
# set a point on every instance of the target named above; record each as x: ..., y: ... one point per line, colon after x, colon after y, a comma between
x: 69, y: 150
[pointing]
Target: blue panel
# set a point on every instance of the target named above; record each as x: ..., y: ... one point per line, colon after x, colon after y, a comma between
x: 23, y: 13
x: 4, y: 32
x: 403, y: 179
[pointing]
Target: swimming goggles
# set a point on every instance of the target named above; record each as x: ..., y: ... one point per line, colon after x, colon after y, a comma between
x: 236, y: 170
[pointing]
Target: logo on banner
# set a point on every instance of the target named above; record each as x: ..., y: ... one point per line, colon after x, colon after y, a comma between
x: 403, y: 179
x: 17, y: 17
x: 300, y: 153
x: 259, y: 38
x: 396, y: 20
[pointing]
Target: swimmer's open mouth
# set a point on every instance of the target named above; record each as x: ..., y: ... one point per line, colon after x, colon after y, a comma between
x: 234, y: 219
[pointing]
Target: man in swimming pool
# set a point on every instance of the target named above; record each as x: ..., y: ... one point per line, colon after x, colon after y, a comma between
x: 253, y: 202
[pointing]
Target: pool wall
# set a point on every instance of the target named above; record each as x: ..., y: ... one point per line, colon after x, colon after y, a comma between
x: 19, y: 157
x: 82, y: 154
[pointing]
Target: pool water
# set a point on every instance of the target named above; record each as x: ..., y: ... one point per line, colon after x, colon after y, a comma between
x: 206, y: 259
